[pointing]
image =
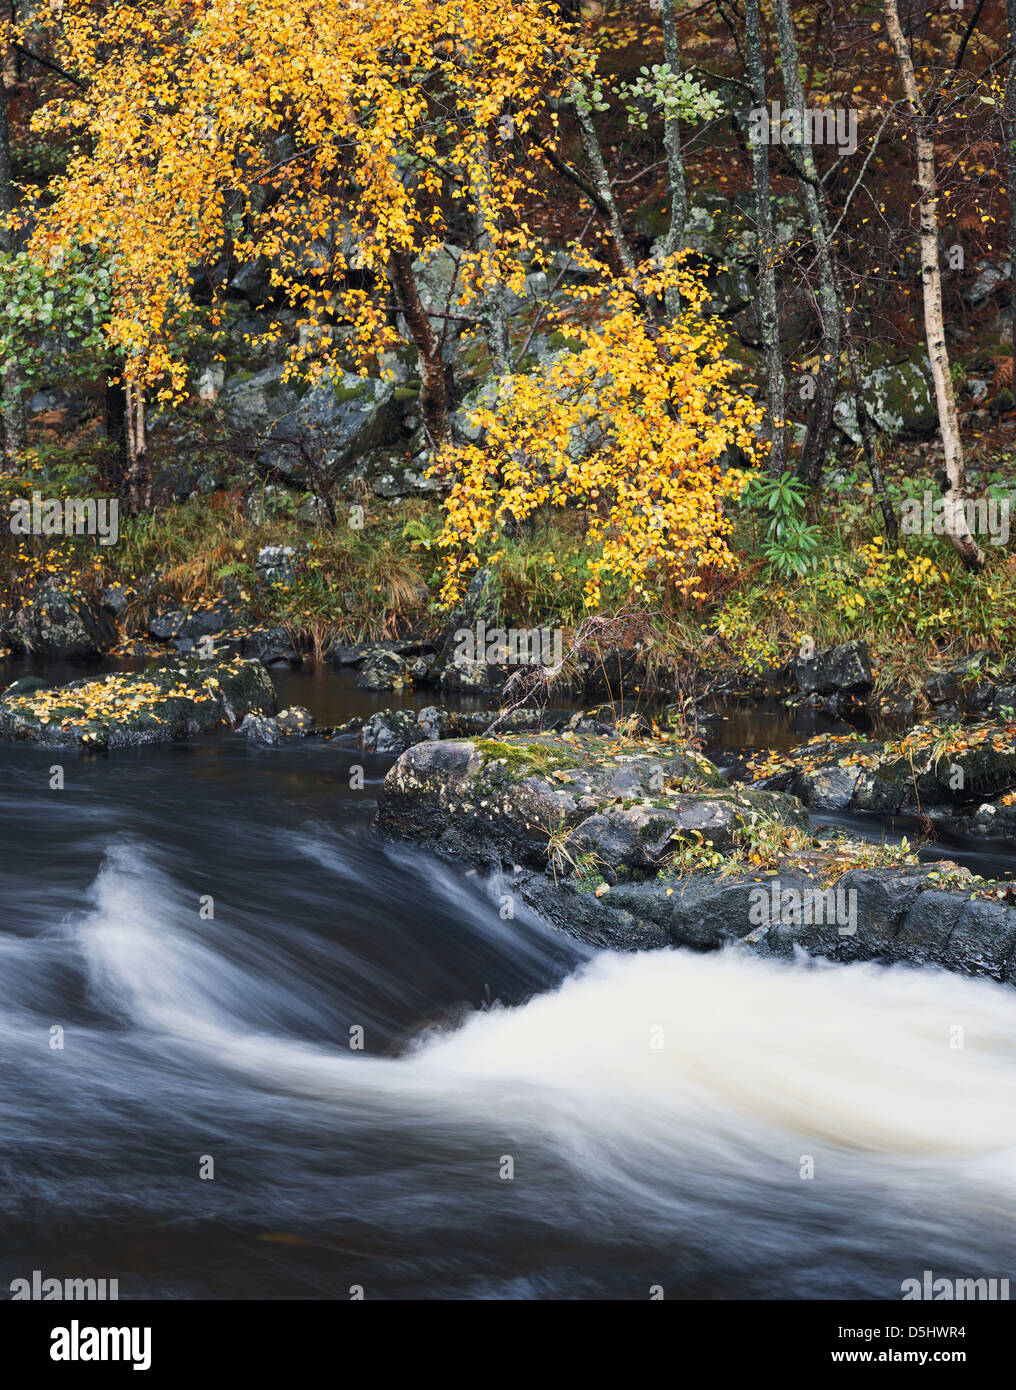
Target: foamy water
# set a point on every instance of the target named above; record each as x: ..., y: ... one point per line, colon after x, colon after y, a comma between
x: 561, y: 1123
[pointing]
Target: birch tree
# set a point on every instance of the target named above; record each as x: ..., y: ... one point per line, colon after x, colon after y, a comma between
x: 675, y: 157
x: 769, y: 321
x: 931, y: 279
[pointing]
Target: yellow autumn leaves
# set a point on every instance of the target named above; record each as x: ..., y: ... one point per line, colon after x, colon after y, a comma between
x: 318, y: 138
x: 630, y: 430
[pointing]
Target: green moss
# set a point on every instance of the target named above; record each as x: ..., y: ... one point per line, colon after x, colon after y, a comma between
x: 524, y: 757
x: 353, y: 393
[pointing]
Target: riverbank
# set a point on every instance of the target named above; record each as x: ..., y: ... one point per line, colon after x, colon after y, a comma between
x: 616, y: 827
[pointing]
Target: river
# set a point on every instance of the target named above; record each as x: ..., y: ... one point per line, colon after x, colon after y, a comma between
x: 185, y: 1105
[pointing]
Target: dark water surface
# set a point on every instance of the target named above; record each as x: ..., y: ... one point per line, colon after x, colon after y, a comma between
x: 527, y: 1118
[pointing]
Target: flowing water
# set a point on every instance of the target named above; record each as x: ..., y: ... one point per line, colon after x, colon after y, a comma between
x: 526, y: 1117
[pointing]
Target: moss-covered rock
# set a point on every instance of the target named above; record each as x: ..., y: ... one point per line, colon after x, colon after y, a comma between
x: 526, y: 798
x: 899, y: 398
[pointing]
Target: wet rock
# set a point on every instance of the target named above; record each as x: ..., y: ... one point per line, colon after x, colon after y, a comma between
x: 391, y: 731
x: 115, y: 600
x: 555, y: 810
x: 982, y: 941
x: 845, y: 669
x: 383, y: 670
x: 25, y: 686
x: 604, y: 719
x: 826, y: 789
x: 698, y: 910
x: 964, y: 778
x: 924, y: 932
x: 176, y: 698
x: 539, y: 798
x: 294, y: 722
x: 63, y: 626
x: 260, y: 729
x: 272, y: 646
x: 457, y: 666
x: 192, y: 624
x: 598, y: 921
x: 940, y: 687
x: 354, y: 653
x: 636, y: 837
x: 930, y: 768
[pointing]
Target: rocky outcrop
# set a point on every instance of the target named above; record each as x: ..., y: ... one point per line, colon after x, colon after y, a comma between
x: 175, y: 699
x: 554, y: 799
x: 59, y: 625
x: 904, y: 916
x: 331, y: 424
x: 898, y: 396
x: 963, y: 775
x: 188, y: 625
x: 393, y: 731
x: 982, y: 684
x: 596, y: 836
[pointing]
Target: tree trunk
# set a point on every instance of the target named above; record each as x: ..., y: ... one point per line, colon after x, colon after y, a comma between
x: 12, y: 402
x: 769, y: 322
x: 934, y: 325
x: 433, y: 387
x: 605, y: 195
x: 10, y: 57
x: 139, y: 471
x: 116, y: 431
x: 492, y: 308
x: 820, y: 424
x: 675, y: 161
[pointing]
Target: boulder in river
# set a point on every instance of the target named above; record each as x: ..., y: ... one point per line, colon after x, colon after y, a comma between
x: 171, y: 700
x: 393, y: 731
x: 268, y: 730
x: 537, y: 798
